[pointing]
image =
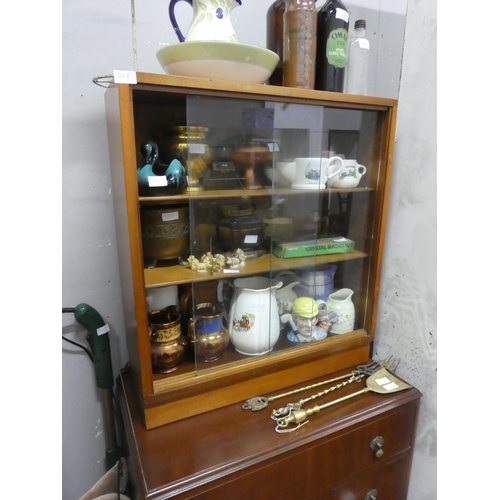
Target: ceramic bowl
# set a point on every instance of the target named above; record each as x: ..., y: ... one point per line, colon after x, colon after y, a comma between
x: 233, y: 61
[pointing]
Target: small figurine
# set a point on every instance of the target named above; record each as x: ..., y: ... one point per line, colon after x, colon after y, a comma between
x: 215, y: 263
x: 236, y: 259
x: 171, y: 179
x: 212, y: 265
x: 240, y: 254
x: 207, y: 263
x: 196, y: 265
x: 221, y: 260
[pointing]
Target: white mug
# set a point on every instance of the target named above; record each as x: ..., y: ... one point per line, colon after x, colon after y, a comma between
x: 349, y: 176
x: 159, y: 298
x: 310, y: 172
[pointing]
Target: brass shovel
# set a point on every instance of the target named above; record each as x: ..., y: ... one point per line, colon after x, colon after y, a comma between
x: 381, y: 382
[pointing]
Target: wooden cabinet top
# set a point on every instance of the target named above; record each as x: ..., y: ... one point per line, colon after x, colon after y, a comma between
x: 187, y: 85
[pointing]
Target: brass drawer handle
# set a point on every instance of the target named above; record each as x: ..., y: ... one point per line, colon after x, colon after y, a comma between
x: 371, y: 495
x: 376, y: 446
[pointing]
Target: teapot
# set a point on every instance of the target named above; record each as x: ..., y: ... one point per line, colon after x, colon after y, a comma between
x: 254, y: 323
x: 210, y: 20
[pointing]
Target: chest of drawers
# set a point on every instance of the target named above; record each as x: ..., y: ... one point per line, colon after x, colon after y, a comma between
x: 359, y: 449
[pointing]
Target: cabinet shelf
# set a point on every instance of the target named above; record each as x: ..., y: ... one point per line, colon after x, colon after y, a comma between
x: 233, y: 363
x: 176, y: 274
x: 240, y: 193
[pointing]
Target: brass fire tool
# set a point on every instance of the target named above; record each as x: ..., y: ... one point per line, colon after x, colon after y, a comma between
x: 285, y: 411
x: 381, y: 382
x: 363, y: 370
x: 260, y: 402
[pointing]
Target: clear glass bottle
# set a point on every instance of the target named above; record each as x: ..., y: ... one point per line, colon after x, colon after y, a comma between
x: 299, y: 43
x: 333, y: 29
x: 274, y: 38
x: 358, y: 58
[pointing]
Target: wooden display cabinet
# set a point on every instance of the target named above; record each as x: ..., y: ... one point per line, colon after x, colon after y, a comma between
x: 304, y: 124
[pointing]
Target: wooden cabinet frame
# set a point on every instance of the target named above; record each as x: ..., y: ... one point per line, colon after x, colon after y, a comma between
x: 165, y: 399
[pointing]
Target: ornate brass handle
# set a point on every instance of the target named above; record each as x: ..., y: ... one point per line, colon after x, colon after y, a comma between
x: 376, y: 446
x: 371, y: 495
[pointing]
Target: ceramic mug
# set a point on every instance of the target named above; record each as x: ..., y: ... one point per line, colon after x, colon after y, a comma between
x: 349, y: 176
x: 310, y: 172
x: 159, y: 298
x: 164, y: 324
x: 303, y: 320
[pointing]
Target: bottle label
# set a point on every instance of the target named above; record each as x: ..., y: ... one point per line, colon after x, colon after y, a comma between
x: 336, y: 48
x: 342, y: 14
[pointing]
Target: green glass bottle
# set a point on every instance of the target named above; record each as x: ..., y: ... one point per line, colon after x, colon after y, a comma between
x: 331, y: 53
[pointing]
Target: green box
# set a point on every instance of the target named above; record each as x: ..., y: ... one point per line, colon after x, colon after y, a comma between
x: 323, y: 246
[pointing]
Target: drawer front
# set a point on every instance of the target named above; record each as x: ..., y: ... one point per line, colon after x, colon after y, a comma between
x: 321, y: 465
x: 384, y: 483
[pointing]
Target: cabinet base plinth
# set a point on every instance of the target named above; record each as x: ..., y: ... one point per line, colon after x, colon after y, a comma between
x: 258, y: 385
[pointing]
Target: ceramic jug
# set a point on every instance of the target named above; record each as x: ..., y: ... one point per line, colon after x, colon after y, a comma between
x: 210, y: 20
x: 316, y: 282
x: 341, y: 303
x: 168, y: 345
x: 254, y: 323
x: 349, y: 176
x: 209, y: 335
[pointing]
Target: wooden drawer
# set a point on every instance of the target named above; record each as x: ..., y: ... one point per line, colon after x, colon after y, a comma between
x: 383, y: 483
x: 231, y: 453
x: 324, y: 464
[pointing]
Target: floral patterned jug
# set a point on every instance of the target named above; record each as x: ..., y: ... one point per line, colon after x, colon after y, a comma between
x: 254, y: 324
x: 210, y: 20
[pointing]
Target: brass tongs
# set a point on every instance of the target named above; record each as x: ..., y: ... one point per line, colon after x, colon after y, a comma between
x: 260, y: 402
x: 381, y: 382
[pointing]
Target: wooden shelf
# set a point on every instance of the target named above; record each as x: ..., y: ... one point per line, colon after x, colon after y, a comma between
x: 232, y: 362
x: 238, y: 193
x: 176, y: 274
